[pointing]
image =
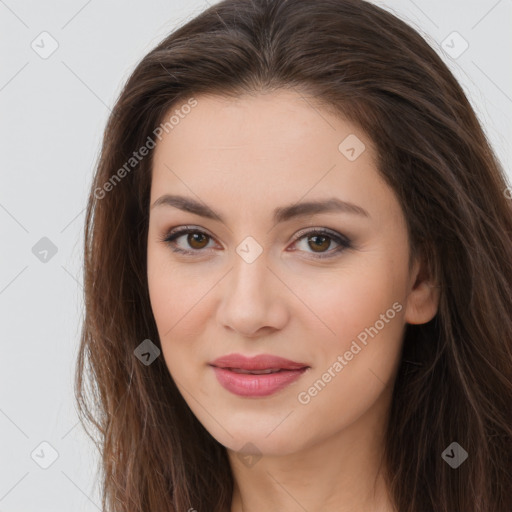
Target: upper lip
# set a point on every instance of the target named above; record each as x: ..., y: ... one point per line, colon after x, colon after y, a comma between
x: 259, y: 362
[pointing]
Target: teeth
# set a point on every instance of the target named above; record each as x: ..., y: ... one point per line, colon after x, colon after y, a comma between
x: 255, y: 372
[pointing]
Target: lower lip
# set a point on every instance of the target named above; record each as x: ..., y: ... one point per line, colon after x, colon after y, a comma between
x: 247, y: 384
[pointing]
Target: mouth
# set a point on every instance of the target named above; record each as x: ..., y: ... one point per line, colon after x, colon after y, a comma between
x: 258, y: 376
x: 264, y: 362
x: 256, y: 372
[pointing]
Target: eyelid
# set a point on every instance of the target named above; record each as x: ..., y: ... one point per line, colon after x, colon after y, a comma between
x: 180, y: 231
x: 343, y: 241
x: 313, y: 230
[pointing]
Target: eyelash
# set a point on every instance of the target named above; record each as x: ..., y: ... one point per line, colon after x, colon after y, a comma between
x: 343, y: 241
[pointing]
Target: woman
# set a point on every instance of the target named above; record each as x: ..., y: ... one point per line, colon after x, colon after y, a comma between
x: 298, y: 274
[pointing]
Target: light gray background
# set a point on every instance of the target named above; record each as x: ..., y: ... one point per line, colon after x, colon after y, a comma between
x: 53, y: 112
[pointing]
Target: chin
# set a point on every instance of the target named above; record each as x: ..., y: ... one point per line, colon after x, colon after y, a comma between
x: 258, y: 441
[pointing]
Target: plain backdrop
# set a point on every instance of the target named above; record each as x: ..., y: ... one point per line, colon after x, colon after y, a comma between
x: 53, y: 109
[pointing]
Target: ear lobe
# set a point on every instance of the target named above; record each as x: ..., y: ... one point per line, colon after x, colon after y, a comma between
x: 423, y: 299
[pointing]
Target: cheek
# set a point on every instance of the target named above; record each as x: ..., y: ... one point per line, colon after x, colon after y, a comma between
x: 172, y: 292
x: 166, y: 294
x: 180, y: 309
x: 342, y: 303
x: 162, y: 290
x: 364, y: 307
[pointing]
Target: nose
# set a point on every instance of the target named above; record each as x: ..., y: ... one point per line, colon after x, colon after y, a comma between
x: 253, y: 300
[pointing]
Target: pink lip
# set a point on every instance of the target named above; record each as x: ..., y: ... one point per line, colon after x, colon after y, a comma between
x: 260, y: 362
x: 256, y: 385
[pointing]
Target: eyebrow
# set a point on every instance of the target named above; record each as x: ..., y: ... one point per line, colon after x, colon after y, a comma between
x: 281, y: 214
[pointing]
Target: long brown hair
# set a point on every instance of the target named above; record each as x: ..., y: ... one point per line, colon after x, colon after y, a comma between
x: 362, y: 62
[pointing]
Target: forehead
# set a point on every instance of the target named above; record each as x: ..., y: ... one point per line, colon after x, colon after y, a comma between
x: 263, y: 124
x: 266, y: 148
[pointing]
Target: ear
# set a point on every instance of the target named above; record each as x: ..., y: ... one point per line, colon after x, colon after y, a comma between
x: 423, y: 295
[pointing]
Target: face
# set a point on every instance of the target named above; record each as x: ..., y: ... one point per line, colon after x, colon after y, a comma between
x: 270, y: 273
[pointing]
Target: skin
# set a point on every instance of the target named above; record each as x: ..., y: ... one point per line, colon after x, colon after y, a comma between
x: 243, y: 158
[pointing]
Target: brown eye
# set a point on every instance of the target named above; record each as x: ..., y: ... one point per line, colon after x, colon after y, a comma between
x: 320, y: 242
x: 196, y: 240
